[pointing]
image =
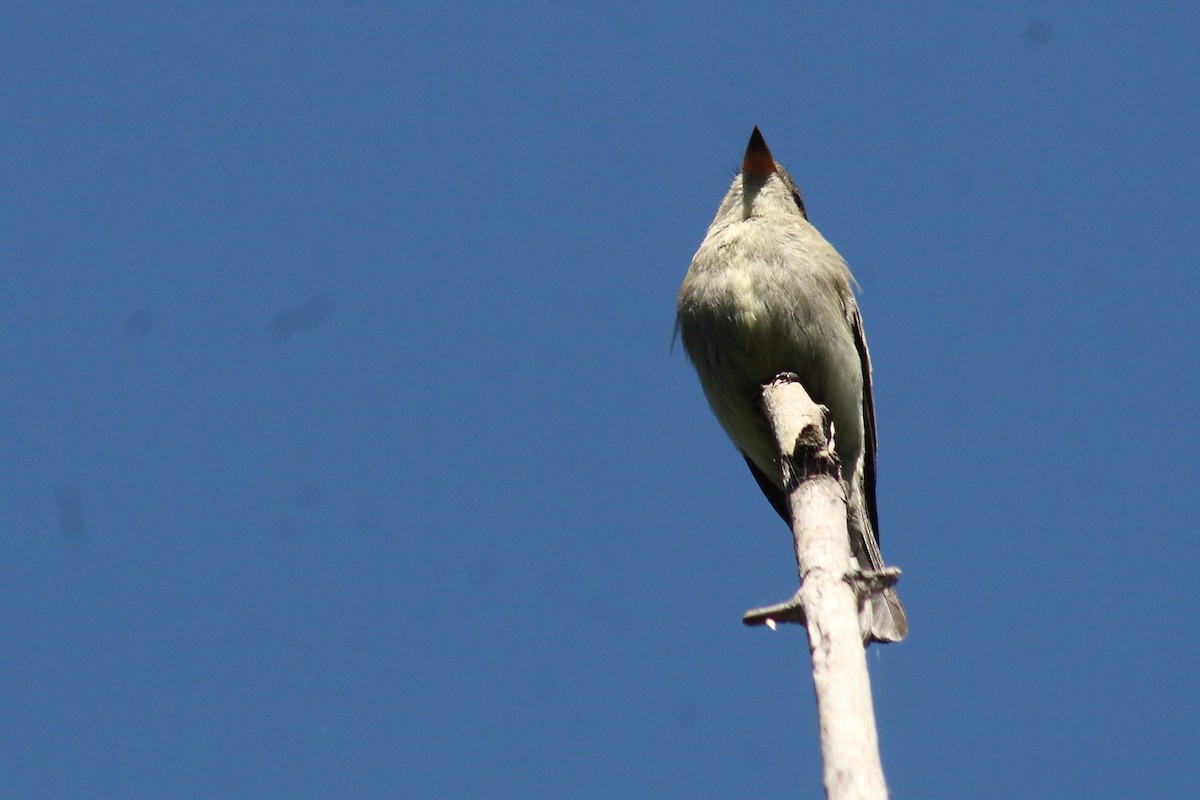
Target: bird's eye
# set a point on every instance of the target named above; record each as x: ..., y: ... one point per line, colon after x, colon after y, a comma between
x: 800, y: 204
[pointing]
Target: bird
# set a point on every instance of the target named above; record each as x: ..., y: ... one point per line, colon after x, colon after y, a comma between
x: 766, y: 294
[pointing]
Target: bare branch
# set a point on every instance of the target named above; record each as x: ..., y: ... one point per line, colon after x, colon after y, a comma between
x: 831, y: 594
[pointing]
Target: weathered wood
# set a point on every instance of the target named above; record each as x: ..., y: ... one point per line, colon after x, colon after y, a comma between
x: 829, y: 593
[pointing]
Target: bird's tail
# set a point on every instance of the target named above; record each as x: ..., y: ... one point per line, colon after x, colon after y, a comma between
x: 885, y: 617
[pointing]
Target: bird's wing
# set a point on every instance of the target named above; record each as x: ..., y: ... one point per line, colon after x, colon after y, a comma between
x: 868, y: 402
x: 774, y: 494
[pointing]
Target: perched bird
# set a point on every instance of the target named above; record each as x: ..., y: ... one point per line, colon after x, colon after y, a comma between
x: 766, y: 294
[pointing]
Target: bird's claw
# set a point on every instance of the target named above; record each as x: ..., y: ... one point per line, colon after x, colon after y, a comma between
x: 867, y: 582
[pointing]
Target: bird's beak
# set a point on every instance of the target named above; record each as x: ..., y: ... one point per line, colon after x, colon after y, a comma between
x: 758, y: 162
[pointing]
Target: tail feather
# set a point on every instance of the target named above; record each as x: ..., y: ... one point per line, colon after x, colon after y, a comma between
x: 887, y: 619
x: 888, y: 622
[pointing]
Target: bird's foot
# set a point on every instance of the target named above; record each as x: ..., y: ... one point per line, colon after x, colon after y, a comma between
x: 867, y: 582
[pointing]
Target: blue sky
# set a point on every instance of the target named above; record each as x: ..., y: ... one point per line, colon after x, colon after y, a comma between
x: 344, y: 452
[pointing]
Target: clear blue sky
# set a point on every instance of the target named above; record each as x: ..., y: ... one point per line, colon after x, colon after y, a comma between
x: 344, y: 453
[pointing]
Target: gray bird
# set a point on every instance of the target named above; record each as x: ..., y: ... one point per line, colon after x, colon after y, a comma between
x: 766, y: 294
